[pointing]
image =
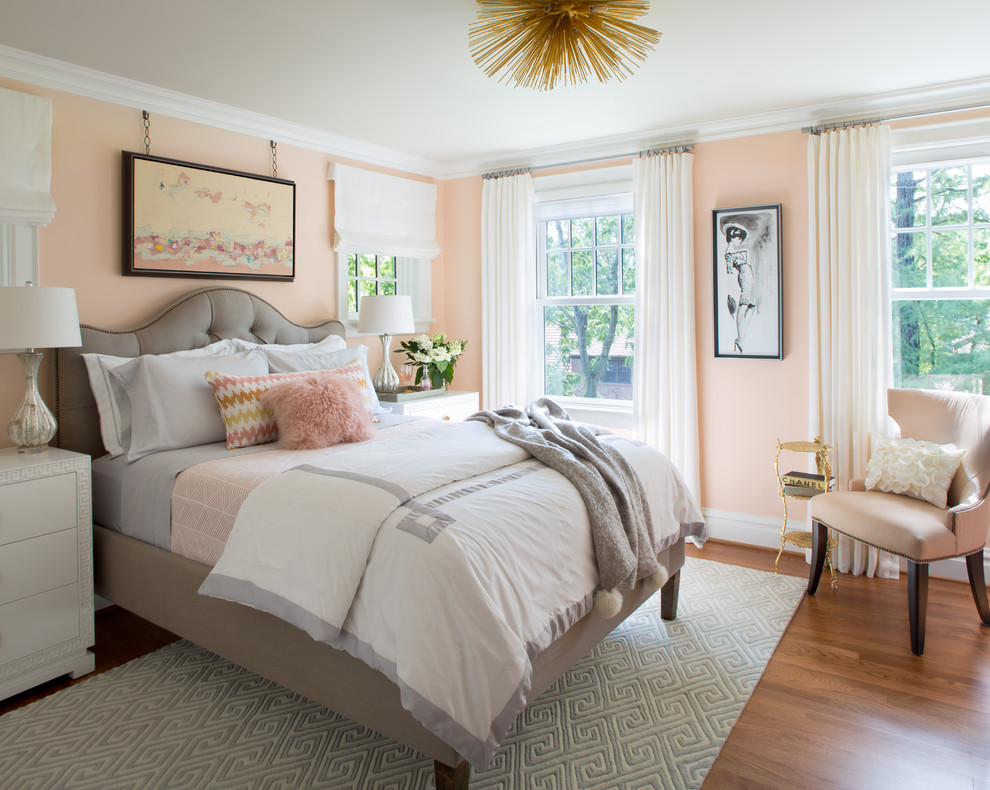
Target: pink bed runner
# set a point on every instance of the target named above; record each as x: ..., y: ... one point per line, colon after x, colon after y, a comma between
x: 207, y: 497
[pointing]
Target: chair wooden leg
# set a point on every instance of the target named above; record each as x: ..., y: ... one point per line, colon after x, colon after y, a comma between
x: 977, y: 582
x: 819, y: 550
x: 917, y: 604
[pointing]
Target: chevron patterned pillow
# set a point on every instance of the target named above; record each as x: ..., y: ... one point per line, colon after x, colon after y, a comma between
x: 247, y: 421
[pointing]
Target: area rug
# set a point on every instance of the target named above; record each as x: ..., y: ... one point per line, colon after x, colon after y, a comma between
x: 650, y: 707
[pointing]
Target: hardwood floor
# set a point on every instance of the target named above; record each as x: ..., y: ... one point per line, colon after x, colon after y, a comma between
x: 843, y: 704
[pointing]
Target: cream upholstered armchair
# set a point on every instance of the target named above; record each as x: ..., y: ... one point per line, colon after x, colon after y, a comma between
x: 916, y: 524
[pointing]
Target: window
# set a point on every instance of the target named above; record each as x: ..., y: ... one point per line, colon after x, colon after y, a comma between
x: 586, y: 263
x: 385, y: 238
x: 369, y: 275
x: 940, y: 278
x: 366, y: 274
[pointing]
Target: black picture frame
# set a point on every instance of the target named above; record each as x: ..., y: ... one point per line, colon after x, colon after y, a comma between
x: 182, y: 219
x: 748, y: 282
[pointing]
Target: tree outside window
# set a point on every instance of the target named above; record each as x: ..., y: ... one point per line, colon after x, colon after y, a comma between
x: 369, y: 275
x: 587, y: 265
x: 940, y: 279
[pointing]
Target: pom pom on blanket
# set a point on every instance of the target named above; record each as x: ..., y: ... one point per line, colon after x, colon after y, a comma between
x: 658, y: 578
x: 608, y: 602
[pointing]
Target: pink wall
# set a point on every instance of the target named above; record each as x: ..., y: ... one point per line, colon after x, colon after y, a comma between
x: 747, y: 405
x: 460, y: 239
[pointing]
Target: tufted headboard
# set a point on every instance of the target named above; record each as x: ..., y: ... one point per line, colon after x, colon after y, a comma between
x: 196, y: 319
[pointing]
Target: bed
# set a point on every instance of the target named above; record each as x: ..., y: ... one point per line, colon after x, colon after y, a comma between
x: 163, y: 586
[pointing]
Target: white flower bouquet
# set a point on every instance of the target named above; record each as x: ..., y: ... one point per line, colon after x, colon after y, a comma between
x: 433, y: 357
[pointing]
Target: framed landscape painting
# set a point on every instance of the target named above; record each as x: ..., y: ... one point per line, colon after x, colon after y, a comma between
x: 187, y: 220
x: 747, y: 283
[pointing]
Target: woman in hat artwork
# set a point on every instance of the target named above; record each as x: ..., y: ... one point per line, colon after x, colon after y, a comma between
x: 737, y: 261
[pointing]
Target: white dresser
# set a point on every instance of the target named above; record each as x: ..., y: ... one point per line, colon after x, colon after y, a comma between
x: 452, y: 405
x: 46, y: 568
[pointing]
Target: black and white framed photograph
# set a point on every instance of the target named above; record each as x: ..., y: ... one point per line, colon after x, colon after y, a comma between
x: 747, y: 284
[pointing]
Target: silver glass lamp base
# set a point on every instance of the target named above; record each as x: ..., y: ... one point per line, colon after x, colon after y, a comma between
x: 386, y: 379
x: 33, y: 425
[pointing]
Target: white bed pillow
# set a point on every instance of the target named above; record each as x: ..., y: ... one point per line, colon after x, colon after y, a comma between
x: 329, y: 343
x: 922, y: 470
x: 169, y: 401
x: 114, y: 432
x: 291, y: 361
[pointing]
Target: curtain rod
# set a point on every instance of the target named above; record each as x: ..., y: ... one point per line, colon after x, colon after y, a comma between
x: 825, y: 127
x: 594, y: 160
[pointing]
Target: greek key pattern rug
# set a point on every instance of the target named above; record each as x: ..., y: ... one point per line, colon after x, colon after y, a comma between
x: 649, y: 708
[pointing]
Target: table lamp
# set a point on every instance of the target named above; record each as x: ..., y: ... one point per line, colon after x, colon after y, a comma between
x: 386, y: 316
x: 32, y: 318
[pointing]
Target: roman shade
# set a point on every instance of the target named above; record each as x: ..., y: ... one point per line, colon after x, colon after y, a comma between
x: 25, y: 159
x: 379, y: 214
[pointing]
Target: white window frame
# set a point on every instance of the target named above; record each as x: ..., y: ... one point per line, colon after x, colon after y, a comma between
x: 582, y: 200
x: 19, y: 259
x: 412, y: 278
x: 936, y: 158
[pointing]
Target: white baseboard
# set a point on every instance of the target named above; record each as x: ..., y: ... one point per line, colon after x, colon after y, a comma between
x: 765, y: 532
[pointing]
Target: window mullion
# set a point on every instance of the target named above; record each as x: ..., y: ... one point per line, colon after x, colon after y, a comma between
x: 929, y: 246
x: 971, y: 250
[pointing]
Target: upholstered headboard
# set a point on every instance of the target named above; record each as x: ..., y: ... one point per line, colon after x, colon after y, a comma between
x: 196, y: 319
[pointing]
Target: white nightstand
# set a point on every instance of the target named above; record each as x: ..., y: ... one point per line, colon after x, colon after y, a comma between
x: 452, y: 405
x: 46, y: 568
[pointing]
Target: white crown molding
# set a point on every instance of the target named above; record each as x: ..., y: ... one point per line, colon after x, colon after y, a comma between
x: 27, y: 67
x: 55, y: 74
x: 922, y: 100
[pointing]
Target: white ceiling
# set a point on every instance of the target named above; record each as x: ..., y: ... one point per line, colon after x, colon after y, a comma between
x: 398, y: 74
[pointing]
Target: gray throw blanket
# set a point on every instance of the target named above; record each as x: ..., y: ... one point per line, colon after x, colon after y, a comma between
x: 612, y: 492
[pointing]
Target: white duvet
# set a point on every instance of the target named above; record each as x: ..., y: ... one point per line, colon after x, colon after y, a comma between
x: 446, y: 558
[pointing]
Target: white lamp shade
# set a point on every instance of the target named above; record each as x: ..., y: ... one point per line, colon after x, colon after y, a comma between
x: 38, y: 317
x: 386, y: 315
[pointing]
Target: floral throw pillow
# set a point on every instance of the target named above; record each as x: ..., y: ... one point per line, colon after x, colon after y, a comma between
x: 922, y: 470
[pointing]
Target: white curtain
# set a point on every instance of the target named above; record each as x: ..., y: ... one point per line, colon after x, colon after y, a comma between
x: 849, y: 252
x: 508, y: 253
x: 665, y: 384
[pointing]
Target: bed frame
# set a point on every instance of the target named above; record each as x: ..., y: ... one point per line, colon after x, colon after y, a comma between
x: 253, y: 639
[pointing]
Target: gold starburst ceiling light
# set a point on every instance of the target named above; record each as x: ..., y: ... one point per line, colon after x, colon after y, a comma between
x: 540, y: 43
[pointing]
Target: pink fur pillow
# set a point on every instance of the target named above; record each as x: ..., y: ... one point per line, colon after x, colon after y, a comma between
x: 318, y: 411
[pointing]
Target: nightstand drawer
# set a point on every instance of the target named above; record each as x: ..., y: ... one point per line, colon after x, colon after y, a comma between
x: 33, y: 624
x: 29, y: 567
x: 444, y: 407
x: 29, y: 508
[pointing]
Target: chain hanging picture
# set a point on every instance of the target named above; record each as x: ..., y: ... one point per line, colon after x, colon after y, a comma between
x: 187, y: 220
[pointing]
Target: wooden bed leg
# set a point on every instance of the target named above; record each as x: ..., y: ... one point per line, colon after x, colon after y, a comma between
x: 456, y: 778
x: 668, y: 597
